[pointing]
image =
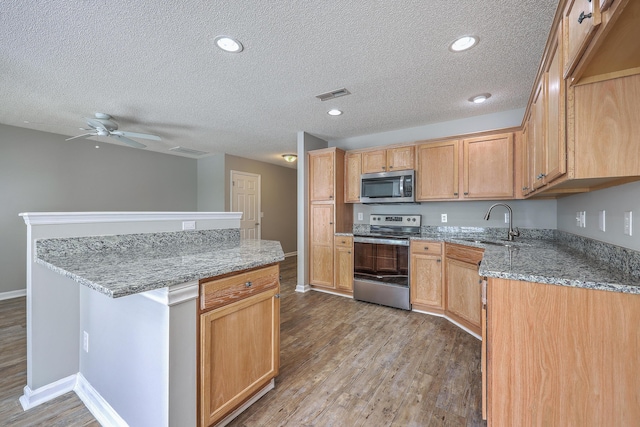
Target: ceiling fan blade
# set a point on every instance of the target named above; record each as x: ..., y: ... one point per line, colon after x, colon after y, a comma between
x: 128, y: 141
x: 136, y: 135
x: 84, y: 135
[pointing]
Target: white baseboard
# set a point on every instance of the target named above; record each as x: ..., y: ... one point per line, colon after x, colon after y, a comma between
x: 303, y: 288
x: 96, y: 404
x: 13, y: 294
x: 289, y: 254
x: 326, y: 291
x: 33, y: 398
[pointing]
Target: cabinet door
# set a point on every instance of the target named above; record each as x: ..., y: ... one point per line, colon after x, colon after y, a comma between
x: 580, y: 21
x: 488, y: 167
x: 239, y: 353
x: 524, y: 164
x: 353, y: 166
x: 321, y: 231
x: 344, y: 268
x: 556, y: 164
x: 426, y: 280
x: 400, y: 158
x: 463, y: 287
x: 374, y: 161
x: 538, y: 135
x: 437, y: 174
x: 321, y: 176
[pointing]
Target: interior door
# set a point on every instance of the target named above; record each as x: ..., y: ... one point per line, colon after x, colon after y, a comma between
x: 245, y: 198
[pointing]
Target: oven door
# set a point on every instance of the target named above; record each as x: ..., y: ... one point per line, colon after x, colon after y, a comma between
x: 381, y: 271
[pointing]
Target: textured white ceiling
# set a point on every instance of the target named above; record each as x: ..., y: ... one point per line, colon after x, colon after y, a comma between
x: 152, y: 65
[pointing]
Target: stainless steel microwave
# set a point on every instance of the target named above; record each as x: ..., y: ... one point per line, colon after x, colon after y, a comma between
x: 387, y: 187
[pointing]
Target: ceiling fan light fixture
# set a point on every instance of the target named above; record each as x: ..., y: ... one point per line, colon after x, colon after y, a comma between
x: 228, y: 44
x: 334, y: 112
x: 464, y: 43
x: 290, y: 157
x: 479, y: 99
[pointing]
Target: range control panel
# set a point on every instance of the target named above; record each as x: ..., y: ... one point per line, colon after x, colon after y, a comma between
x: 395, y: 220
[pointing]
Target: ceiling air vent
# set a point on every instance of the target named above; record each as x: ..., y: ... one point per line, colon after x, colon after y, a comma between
x: 188, y: 151
x: 333, y: 94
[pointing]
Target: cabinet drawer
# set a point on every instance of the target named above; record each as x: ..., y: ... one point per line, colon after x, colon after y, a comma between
x: 464, y: 253
x: 344, y: 241
x: 426, y: 247
x: 218, y: 292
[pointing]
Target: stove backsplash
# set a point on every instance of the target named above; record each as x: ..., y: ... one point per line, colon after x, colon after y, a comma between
x: 495, y: 232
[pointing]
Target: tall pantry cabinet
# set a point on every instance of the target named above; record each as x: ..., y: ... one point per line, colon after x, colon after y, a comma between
x: 328, y: 214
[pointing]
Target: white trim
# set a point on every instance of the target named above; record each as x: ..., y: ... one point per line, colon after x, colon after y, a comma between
x: 463, y: 328
x: 13, y: 294
x: 325, y: 291
x: 42, y: 218
x: 289, y: 254
x: 303, y: 288
x: 226, y: 420
x: 175, y: 294
x: 95, y: 403
x: 33, y: 398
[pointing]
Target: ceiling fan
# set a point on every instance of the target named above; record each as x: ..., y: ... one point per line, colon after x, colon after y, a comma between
x: 104, y: 125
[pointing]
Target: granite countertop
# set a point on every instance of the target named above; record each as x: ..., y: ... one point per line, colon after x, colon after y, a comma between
x: 557, y: 258
x: 132, y: 268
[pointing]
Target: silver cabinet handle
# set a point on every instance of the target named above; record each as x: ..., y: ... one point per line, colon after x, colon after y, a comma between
x: 248, y: 284
x: 276, y: 296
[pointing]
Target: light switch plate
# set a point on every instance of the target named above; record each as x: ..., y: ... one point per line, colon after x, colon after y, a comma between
x: 601, y: 220
x: 628, y: 223
x: 583, y: 219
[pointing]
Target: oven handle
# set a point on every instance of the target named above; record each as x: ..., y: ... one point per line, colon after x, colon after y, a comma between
x: 381, y: 241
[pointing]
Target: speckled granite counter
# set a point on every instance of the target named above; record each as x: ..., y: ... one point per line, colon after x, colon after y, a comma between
x: 123, y: 265
x: 547, y: 256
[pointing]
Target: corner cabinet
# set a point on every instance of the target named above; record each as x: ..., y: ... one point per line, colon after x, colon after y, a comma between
x: 426, y: 276
x: 328, y: 213
x: 239, y: 347
x: 343, y: 264
x: 463, y: 286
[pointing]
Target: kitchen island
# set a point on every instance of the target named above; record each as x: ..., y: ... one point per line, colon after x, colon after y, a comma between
x: 112, y: 308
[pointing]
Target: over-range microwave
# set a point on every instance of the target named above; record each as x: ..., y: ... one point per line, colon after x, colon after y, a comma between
x: 387, y: 187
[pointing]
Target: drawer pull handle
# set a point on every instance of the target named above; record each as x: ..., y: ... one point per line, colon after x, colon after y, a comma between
x: 344, y: 241
x: 466, y: 194
x: 248, y: 284
x: 582, y: 17
x: 349, y: 252
x: 426, y: 248
x: 455, y: 194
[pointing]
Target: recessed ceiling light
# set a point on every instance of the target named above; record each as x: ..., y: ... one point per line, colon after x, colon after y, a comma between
x: 334, y: 112
x: 289, y: 157
x: 479, y: 99
x: 464, y: 43
x: 228, y: 44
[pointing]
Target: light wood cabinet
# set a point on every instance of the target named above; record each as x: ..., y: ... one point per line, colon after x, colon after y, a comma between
x: 437, y: 165
x: 463, y: 286
x: 580, y: 20
x: 343, y: 263
x: 353, y: 170
x: 559, y: 355
x: 488, y: 167
x: 327, y: 216
x: 426, y: 276
x: 388, y: 160
x: 239, y: 347
x: 555, y: 164
x: 321, y: 176
x: 321, y: 231
x: 538, y: 136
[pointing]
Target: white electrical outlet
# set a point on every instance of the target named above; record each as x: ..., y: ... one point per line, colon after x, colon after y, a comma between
x: 85, y: 341
x: 601, y: 220
x: 188, y: 225
x: 577, y: 219
x: 506, y: 217
x: 360, y: 216
x: 443, y: 218
x: 583, y: 219
x: 628, y: 223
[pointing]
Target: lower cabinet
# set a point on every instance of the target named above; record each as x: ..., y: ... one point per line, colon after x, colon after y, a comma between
x: 426, y: 276
x: 343, y: 263
x: 560, y: 356
x: 239, y: 348
x: 463, y: 286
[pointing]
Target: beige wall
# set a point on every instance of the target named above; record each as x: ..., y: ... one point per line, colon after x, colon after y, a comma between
x: 278, y: 198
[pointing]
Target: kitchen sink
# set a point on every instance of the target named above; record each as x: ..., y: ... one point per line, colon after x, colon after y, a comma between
x: 490, y: 242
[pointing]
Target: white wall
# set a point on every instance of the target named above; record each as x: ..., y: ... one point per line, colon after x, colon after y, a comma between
x: 40, y: 171
x: 211, y: 184
x: 614, y: 201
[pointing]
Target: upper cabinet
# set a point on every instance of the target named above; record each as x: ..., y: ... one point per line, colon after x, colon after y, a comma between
x: 322, y: 176
x: 487, y: 164
x: 353, y: 170
x: 581, y: 19
x: 388, y: 160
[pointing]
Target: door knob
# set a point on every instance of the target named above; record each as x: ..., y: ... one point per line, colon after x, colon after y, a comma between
x: 257, y: 223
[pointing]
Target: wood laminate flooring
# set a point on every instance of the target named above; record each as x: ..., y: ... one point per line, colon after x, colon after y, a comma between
x: 343, y: 363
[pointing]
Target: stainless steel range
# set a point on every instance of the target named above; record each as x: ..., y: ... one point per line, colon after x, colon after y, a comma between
x: 381, y: 260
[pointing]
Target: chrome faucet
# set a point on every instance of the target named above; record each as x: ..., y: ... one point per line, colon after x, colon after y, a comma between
x: 512, y: 233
